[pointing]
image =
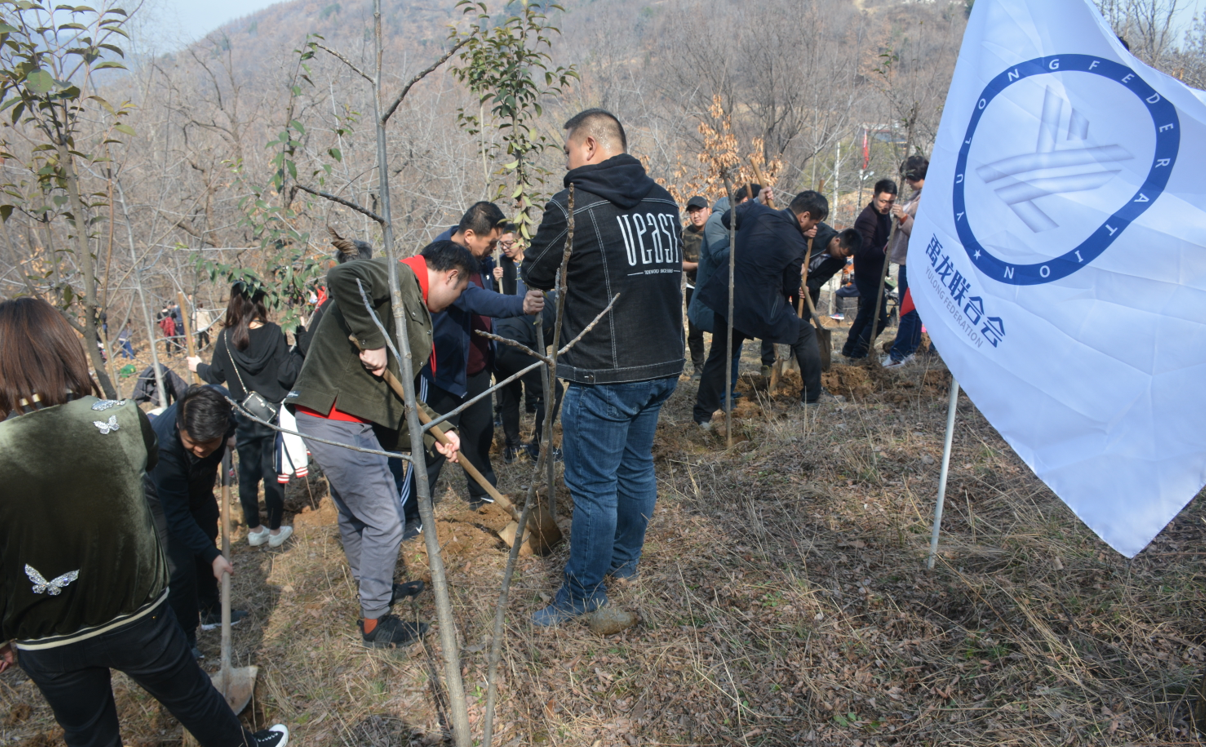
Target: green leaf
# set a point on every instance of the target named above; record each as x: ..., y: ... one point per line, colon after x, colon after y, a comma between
x: 336, y: 154
x: 5, y: 212
x: 126, y: 129
x: 39, y: 81
x: 109, y: 64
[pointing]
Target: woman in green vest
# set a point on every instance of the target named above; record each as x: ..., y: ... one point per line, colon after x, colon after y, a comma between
x: 83, y: 580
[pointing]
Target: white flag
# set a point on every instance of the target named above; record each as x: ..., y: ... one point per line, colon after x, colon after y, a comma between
x: 1058, y: 260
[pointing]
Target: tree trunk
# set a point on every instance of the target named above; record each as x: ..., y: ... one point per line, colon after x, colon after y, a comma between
x: 88, y: 267
x: 407, y: 369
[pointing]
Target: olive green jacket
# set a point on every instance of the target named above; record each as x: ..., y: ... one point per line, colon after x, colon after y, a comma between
x: 79, y: 553
x: 333, y: 374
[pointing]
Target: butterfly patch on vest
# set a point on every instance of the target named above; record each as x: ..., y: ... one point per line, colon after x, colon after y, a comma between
x: 106, y: 428
x: 53, y: 587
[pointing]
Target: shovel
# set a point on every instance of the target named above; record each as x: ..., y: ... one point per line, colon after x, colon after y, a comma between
x: 236, y: 685
x: 542, y: 532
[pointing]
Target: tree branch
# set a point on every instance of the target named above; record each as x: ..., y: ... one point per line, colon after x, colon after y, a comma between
x: 339, y: 56
x: 247, y: 414
x: 514, y: 344
x: 398, y: 101
x: 341, y: 201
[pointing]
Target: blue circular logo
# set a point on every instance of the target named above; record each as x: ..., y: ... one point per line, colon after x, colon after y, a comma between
x: 1019, y: 194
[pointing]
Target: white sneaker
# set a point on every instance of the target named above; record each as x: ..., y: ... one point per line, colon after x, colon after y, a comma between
x: 887, y: 361
x: 276, y: 540
x: 255, y: 539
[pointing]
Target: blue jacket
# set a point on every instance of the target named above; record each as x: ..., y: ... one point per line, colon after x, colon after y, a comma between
x: 451, y: 328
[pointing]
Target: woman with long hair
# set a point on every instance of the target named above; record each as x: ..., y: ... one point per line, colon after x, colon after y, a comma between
x: 83, y: 579
x: 252, y: 355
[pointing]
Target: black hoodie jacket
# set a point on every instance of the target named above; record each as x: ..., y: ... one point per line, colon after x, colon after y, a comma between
x: 267, y: 365
x: 627, y: 240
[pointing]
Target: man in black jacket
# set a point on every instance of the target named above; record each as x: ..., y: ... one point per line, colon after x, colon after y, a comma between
x: 874, y: 224
x: 627, y: 242
x: 830, y: 250
x: 192, y: 436
x: 771, y: 248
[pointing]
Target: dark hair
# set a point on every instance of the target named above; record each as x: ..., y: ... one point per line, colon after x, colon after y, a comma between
x: 745, y: 190
x: 349, y: 249
x: 884, y: 186
x: 39, y: 355
x: 245, y: 306
x: 203, y: 413
x: 850, y: 240
x: 914, y: 167
x: 600, y: 124
x: 813, y: 203
x: 449, y: 255
x: 482, y: 218
x: 509, y: 227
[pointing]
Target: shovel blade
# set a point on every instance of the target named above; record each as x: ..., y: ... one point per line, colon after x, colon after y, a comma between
x: 237, y: 685
x: 825, y: 343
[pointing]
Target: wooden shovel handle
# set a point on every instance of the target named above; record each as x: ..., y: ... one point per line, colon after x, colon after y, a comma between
x: 770, y: 202
x: 438, y: 433
x: 188, y: 338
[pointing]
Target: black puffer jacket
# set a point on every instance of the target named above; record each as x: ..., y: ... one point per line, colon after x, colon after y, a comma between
x: 627, y: 240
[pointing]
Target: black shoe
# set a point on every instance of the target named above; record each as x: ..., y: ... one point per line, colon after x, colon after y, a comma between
x: 212, y: 619
x: 477, y: 501
x: 277, y: 736
x: 533, y: 452
x: 406, y: 590
x: 197, y: 653
x: 498, y: 420
x: 509, y: 454
x: 392, y: 633
x: 412, y: 528
x: 697, y: 374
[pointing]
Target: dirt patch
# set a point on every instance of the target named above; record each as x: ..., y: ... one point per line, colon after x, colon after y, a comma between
x: 491, y: 516
x: 466, y: 536
x: 852, y: 382
x: 325, y: 515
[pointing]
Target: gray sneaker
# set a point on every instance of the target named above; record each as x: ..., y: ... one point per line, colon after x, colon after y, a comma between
x: 825, y: 399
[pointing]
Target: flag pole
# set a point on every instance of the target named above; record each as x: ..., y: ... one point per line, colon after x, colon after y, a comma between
x: 946, y: 464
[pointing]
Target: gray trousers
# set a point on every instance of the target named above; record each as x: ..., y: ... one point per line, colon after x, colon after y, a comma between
x: 364, y: 490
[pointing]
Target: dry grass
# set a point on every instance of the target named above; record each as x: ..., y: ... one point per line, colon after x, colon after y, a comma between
x: 783, y: 598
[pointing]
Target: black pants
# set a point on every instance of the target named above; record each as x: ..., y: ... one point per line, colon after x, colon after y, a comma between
x: 74, y: 679
x: 256, y: 446
x: 509, y: 361
x: 711, y: 386
x: 859, y: 338
x: 475, y: 426
x: 768, y: 353
x: 193, y: 586
x: 695, y: 336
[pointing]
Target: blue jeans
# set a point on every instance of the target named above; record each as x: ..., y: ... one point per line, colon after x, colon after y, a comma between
x: 908, y: 335
x: 607, y: 438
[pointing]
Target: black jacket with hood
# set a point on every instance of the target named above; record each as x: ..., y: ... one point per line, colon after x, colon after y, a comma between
x: 627, y: 240
x: 267, y: 365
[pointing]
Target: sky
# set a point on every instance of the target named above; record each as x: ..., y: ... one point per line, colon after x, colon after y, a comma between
x: 176, y: 23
